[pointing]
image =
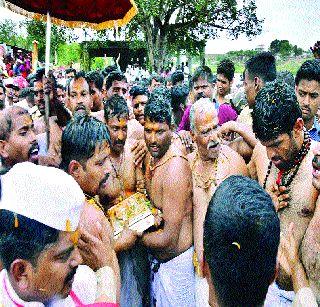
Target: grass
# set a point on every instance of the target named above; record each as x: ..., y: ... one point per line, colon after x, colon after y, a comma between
x: 292, y: 65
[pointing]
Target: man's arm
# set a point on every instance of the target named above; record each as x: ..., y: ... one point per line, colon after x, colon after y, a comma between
x: 252, y: 167
x: 176, y: 188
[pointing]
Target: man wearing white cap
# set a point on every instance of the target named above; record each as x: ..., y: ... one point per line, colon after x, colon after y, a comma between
x: 39, y: 245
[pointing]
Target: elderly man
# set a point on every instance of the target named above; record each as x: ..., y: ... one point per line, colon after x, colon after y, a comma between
x: 39, y: 244
x: 210, y: 164
x: 168, y: 182
x: 282, y: 165
x: 308, y: 95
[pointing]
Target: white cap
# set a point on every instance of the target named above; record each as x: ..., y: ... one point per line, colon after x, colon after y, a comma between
x: 45, y: 194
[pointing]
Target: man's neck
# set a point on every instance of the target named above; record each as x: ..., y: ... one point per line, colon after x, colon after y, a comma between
x: 308, y: 124
x: 115, y: 154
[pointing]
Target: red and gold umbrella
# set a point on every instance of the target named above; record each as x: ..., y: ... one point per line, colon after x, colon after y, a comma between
x: 96, y: 14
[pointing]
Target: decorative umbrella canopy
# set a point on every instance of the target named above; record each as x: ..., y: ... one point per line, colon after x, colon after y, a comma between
x: 96, y: 14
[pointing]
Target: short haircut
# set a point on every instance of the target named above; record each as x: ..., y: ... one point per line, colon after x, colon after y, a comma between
x: 69, y: 70
x: 309, y: 70
x: 179, y: 95
x: 202, y: 72
x: 286, y: 77
x: 275, y: 112
x: 6, y: 120
x: 176, y: 77
x: 109, y: 69
x: 96, y: 78
x: 241, y: 239
x: 80, y: 139
x: 137, y: 90
x: 114, y: 76
x: 158, y: 108
x: 77, y: 76
x: 157, y: 78
x: 202, y: 105
x: 226, y: 68
x: 62, y: 87
x: 262, y: 65
x: 24, y: 242
x: 115, y: 106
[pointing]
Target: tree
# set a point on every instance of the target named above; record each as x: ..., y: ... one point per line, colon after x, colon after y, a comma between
x: 37, y: 31
x: 168, y: 25
x: 9, y: 34
x: 275, y: 46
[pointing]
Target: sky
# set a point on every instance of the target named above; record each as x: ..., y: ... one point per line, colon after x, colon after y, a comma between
x: 295, y: 20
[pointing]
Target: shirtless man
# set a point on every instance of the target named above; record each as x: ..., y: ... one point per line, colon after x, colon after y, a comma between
x: 168, y: 182
x: 210, y: 163
x: 125, y: 179
x: 282, y: 165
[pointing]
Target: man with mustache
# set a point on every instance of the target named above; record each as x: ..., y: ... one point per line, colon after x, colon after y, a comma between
x: 169, y: 186
x: 40, y: 242
x: 79, y: 97
x: 282, y: 165
x: 18, y: 141
x: 308, y: 95
x: 125, y: 179
x: 210, y: 164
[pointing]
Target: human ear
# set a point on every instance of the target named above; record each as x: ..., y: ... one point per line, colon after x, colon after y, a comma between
x: 21, y: 272
x: 75, y: 169
x: 3, y: 149
x: 298, y: 126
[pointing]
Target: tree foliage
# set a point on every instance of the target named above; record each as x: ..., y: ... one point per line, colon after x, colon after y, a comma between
x: 169, y: 25
x: 284, y: 48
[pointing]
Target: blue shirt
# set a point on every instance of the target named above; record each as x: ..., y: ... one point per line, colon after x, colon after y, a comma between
x: 315, y: 131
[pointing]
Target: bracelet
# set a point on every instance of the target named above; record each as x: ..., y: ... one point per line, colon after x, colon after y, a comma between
x: 106, y: 283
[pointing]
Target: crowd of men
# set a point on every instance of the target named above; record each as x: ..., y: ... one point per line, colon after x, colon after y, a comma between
x: 236, y: 183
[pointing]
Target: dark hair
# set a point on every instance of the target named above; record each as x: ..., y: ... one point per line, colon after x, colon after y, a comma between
x: 59, y: 85
x: 309, y: 70
x: 137, y: 90
x: 202, y: 72
x: 109, y: 69
x: 26, y: 92
x: 80, y: 138
x: 114, y: 76
x: 115, y: 106
x: 69, y: 70
x: 226, y: 68
x: 24, y: 242
x: 96, y: 78
x: 3, y: 87
x: 241, y: 239
x: 275, y: 111
x: 6, y: 118
x: 157, y: 78
x: 262, y: 65
x: 176, y: 77
x: 77, y: 76
x: 39, y: 74
x: 179, y: 94
x: 158, y: 108
x: 286, y: 77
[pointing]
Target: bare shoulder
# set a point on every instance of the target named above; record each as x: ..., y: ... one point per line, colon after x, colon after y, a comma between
x: 191, y: 157
x: 237, y: 162
x: 178, y: 166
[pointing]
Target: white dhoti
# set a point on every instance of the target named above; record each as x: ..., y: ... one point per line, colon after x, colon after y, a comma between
x: 202, y: 292
x: 277, y: 297
x: 173, y: 282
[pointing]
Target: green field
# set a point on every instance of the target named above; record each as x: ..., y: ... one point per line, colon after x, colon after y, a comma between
x: 291, y: 64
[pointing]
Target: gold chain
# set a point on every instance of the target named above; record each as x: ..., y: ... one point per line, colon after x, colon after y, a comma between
x: 202, y: 182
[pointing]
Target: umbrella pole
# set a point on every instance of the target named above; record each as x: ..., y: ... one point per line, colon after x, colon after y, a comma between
x: 47, y: 95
